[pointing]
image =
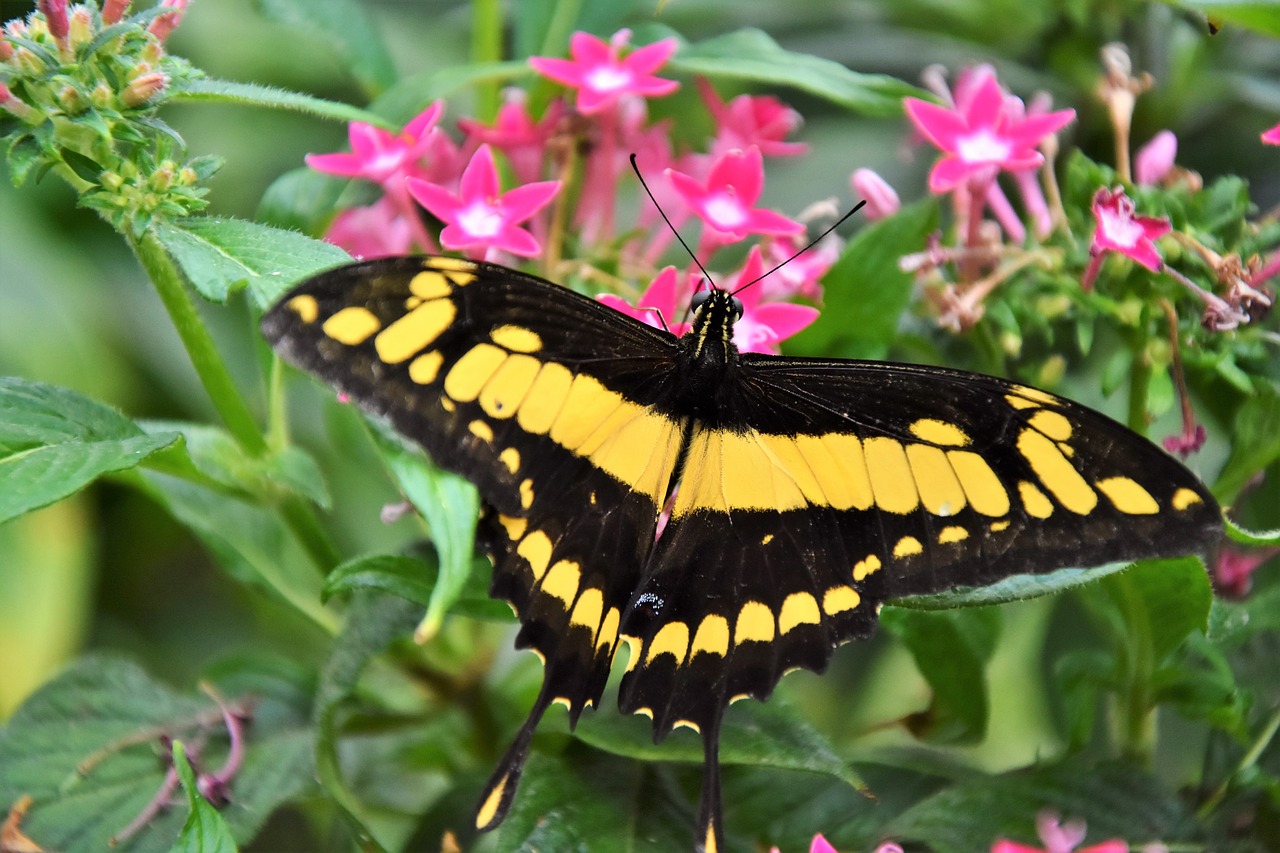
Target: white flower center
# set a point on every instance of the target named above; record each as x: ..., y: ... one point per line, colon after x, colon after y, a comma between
x: 1121, y: 229
x: 608, y: 78
x: 480, y: 219
x: 983, y: 146
x: 725, y: 211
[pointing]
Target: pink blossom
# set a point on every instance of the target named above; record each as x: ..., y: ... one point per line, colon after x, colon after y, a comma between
x: 1060, y: 838
x: 1272, y: 136
x: 725, y: 200
x: 376, y: 231
x: 516, y: 134
x: 882, y: 199
x: 164, y: 24
x: 801, y: 274
x: 1119, y: 230
x: 479, y: 217
x: 381, y: 156
x: 660, y: 303
x: 55, y: 17
x: 748, y: 120
x: 983, y: 136
x: 1233, y: 570
x: 1155, y: 159
x: 1191, y: 439
x: 113, y: 10
x: 602, y: 76
x: 763, y: 326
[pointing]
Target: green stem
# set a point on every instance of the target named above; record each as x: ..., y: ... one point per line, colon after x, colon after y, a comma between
x: 301, y: 518
x: 1138, y: 731
x: 1250, y: 758
x: 204, y: 356
x: 1139, y: 387
x: 486, y: 48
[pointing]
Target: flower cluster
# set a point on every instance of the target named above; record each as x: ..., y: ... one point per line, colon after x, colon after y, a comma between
x: 574, y: 157
x: 79, y: 87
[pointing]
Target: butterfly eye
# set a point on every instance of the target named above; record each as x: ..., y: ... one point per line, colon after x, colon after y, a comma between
x: 737, y: 308
x: 699, y: 299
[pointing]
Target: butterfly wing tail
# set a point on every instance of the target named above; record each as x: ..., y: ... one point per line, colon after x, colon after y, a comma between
x: 710, y: 837
x: 500, y: 790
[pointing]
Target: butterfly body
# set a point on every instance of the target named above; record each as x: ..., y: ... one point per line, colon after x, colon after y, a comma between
x: 728, y: 516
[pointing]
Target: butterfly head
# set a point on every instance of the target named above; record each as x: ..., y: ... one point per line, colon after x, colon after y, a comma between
x: 714, y: 313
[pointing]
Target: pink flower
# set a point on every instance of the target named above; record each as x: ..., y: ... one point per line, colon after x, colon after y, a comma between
x: 602, y: 76
x: 1119, y: 230
x: 748, y: 120
x: 763, y: 326
x: 479, y: 217
x: 1191, y: 439
x: 381, y: 156
x: 983, y: 136
x: 725, y: 201
x: 164, y: 24
x: 801, y: 274
x: 1272, y: 136
x: 1233, y: 570
x: 881, y: 198
x: 55, y: 17
x: 113, y: 10
x: 376, y: 231
x: 516, y: 134
x: 660, y: 303
x: 1059, y: 838
x: 1155, y: 159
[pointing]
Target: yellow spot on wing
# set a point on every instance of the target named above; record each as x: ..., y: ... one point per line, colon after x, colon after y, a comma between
x: 867, y: 566
x: 511, y: 458
x: 588, y: 610
x: 609, y: 630
x: 526, y: 493
x: 1184, y: 498
x: 1034, y: 501
x: 712, y: 637
x: 755, y: 623
x: 545, y: 399
x: 793, y: 466
x: 671, y: 639
x: 440, y: 262
x: 482, y: 431
x: 352, y: 325
x: 562, y: 581
x: 1020, y: 402
x: 485, y: 816
x: 840, y: 464
x: 517, y: 338
x: 998, y: 526
x: 585, y: 408
x: 799, y: 608
x: 981, y: 485
x: 430, y: 284
x: 838, y: 599
x: 415, y: 331
x: 768, y: 537
x: 940, y: 490
x: 939, y: 432
x: 636, y: 446
x: 634, y: 647
x: 1056, y: 473
x: 536, y: 549
x: 469, y: 374
x: 891, y: 479
x: 424, y: 369
x: 1128, y: 497
x: 1037, y: 395
x: 952, y: 534
x: 515, y: 527
x: 1053, y: 424
x: 510, y: 383
x: 907, y: 546
x: 305, y: 306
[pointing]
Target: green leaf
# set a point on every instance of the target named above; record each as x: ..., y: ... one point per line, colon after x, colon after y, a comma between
x: 302, y: 200
x: 205, y: 831
x: 86, y: 747
x: 951, y: 650
x: 1114, y: 800
x: 752, y: 55
x: 412, y: 94
x: 208, y: 90
x: 220, y: 255
x: 1255, y: 442
x: 54, y: 442
x: 451, y: 507
x: 1266, y: 538
x: 1261, y: 16
x: 372, y: 622
x: 347, y: 26
x: 866, y: 292
x: 1015, y: 588
x: 1168, y: 599
x: 414, y: 578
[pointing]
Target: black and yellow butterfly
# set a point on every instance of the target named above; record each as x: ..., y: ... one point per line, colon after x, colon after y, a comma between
x: 800, y: 493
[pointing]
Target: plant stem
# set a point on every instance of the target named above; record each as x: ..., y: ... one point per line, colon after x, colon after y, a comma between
x: 486, y: 48
x: 204, y: 356
x: 1139, y: 387
x: 1139, y: 732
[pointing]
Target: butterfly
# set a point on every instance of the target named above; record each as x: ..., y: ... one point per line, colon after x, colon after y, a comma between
x: 728, y: 516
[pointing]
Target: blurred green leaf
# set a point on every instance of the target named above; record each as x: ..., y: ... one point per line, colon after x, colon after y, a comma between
x: 951, y: 650
x: 85, y: 748
x: 414, y: 579
x: 866, y: 292
x: 1249, y: 537
x: 204, y: 831
x: 347, y: 26
x: 1255, y: 442
x: 1015, y: 588
x: 208, y: 90
x: 1174, y: 596
x: 220, y: 255
x: 1261, y: 16
x: 54, y: 442
x: 302, y: 200
x: 752, y: 55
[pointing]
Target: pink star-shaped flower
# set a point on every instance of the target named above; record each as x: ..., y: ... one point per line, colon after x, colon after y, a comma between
x: 1060, y: 838
x: 748, y: 120
x: 1272, y: 136
x: 381, y: 156
x: 1119, y: 230
x: 515, y: 133
x: 664, y: 296
x: 982, y: 136
x: 479, y: 217
x: 763, y: 326
x: 602, y: 76
x: 725, y: 202
x: 376, y: 231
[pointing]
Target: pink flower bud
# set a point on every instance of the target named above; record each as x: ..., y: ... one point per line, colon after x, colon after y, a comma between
x: 1155, y: 159
x: 6, y: 50
x: 144, y: 88
x: 881, y: 199
x: 1272, y: 136
x: 55, y: 16
x: 10, y: 103
x: 165, y: 23
x: 113, y: 10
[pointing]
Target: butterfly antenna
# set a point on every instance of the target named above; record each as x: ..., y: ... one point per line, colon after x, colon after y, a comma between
x: 649, y: 192
x: 811, y: 244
